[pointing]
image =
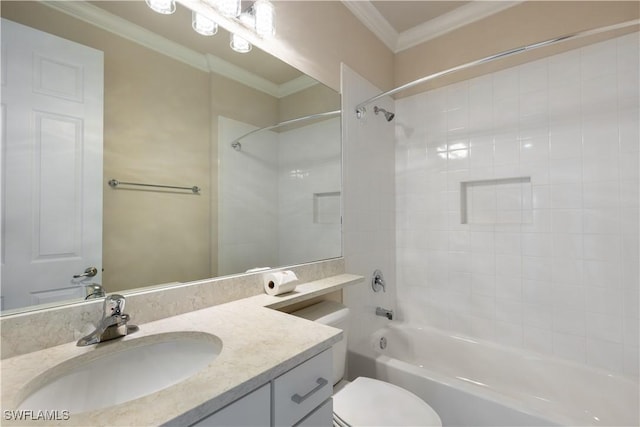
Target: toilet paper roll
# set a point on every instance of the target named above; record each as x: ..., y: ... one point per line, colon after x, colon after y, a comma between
x: 280, y: 282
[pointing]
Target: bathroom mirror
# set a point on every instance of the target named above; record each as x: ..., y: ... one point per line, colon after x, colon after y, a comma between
x: 164, y: 104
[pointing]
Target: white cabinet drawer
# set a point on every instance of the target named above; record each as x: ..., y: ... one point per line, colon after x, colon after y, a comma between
x: 299, y: 391
x: 254, y: 409
x: 321, y: 417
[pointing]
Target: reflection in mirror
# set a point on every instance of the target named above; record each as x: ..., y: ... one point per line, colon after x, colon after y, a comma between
x: 97, y: 91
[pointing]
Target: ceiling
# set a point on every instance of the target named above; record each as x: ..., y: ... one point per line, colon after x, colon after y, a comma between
x: 404, y: 24
x: 403, y: 15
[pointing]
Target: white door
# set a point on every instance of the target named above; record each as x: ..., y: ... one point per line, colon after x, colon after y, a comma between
x: 52, y: 108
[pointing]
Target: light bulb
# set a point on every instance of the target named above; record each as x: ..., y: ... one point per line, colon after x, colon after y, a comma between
x: 165, y: 7
x: 239, y: 44
x: 265, y: 18
x: 229, y: 8
x: 203, y: 25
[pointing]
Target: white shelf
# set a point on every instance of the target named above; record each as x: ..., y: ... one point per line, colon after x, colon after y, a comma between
x: 306, y: 291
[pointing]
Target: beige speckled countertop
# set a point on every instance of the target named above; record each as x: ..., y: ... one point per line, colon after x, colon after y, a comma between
x: 259, y: 344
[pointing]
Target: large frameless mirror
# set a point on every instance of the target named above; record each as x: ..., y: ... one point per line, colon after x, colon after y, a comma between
x: 118, y: 166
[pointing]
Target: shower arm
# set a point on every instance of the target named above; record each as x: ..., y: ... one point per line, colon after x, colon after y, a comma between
x: 236, y: 142
x: 515, y: 51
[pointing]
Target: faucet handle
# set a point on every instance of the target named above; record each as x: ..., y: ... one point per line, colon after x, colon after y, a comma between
x: 113, y: 305
x: 377, y: 282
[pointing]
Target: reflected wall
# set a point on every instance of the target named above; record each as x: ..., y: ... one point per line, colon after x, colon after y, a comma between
x: 287, y: 210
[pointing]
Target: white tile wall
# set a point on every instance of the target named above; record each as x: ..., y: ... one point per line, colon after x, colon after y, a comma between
x: 266, y: 218
x: 247, y: 202
x: 566, y: 284
x: 309, y: 162
x: 368, y: 212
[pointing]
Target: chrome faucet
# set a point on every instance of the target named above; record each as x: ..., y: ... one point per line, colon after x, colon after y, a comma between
x: 384, y: 313
x: 112, y: 325
x: 94, y: 290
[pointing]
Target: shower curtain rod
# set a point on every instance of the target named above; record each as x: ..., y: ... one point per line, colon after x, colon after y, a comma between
x: 360, y: 107
x: 236, y: 142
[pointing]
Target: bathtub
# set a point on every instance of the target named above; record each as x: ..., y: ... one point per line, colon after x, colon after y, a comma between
x: 474, y: 383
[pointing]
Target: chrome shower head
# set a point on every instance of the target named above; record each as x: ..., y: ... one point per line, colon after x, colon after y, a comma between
x: 387, y: 114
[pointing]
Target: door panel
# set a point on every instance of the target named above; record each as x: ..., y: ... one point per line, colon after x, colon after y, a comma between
x: 52, y: 99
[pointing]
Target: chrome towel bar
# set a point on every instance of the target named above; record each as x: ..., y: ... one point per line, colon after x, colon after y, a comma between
x: 115, y: 183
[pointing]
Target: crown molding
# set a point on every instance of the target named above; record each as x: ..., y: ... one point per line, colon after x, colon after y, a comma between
x: 457, y: 18
x: 397, y: 42
x: 204, y: 62
x: 296, y: 85
x: 121, y: 27
x: 240, y: 75
x: 374, y: 21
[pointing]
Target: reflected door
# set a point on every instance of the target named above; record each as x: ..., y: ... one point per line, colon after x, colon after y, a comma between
x: 52, y: 117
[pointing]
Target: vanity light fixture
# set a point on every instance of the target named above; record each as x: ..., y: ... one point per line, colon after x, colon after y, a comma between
x: 228, y: 8
x: 203, y: 25
x: 166, y: 7
x: 264, y: 14
x: 239, y: 44
x: 259, y: 17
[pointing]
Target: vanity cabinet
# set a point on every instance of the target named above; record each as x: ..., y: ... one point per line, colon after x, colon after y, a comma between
x: 299, y: 391
x: 254, y: 409
x: 300, y: 397
x: 321, y: 416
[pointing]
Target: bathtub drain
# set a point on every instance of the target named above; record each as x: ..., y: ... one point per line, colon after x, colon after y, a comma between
x: 383, y: 343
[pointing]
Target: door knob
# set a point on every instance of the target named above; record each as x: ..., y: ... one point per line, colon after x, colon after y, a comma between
x: 89, y: 272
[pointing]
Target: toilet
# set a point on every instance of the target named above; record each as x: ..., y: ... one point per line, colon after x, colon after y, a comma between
x: 366, y: 401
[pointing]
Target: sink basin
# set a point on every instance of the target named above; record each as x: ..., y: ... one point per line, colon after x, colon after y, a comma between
x: 117, y: 372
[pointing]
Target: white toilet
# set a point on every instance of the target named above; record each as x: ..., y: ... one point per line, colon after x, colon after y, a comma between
x: 366, y: 401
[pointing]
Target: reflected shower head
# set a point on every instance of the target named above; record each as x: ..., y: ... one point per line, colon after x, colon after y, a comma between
x: 387, y: 114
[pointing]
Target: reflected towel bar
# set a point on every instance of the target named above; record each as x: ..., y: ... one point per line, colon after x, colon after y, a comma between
x: 114, y: 183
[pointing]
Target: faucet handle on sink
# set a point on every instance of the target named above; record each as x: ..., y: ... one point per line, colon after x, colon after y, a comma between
x: 113, y: 324
x: 113, y: 305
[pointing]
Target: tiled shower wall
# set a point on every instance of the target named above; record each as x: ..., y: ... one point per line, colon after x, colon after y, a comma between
x: 551, y: 265
x: 247, y: 202
x: 309, y: 183
x: 287, y: 210
x: 368, y: 211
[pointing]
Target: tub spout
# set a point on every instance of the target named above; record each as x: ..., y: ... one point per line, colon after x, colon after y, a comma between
x: 384, y: 313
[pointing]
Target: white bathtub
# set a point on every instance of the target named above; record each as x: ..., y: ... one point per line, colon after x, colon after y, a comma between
x: 474, y: 383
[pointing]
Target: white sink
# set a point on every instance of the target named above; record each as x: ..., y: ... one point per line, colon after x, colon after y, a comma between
x: 119, y: 371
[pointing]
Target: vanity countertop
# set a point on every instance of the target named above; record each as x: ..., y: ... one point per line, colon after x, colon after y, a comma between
x: 259, y: 344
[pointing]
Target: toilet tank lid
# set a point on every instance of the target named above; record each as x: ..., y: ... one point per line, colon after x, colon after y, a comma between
x: 325, y: 312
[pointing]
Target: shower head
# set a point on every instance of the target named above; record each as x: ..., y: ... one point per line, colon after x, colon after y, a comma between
x: 387, y: 114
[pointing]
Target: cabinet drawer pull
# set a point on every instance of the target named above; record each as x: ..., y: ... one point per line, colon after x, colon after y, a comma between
x: 299, y: 399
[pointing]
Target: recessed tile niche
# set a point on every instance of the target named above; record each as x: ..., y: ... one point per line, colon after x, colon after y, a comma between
x: 326, y: 208
x: 496, y: 201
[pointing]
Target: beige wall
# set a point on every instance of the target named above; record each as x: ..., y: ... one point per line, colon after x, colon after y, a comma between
x: 314, y: 100
x: 156, y: 131
x: 526, y: 23
x: 316, y: 36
